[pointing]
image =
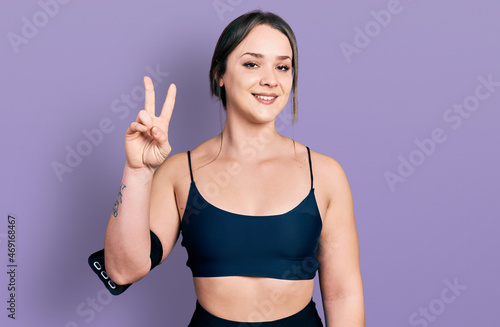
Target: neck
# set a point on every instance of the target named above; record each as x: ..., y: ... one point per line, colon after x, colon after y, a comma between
x: 242, y: 138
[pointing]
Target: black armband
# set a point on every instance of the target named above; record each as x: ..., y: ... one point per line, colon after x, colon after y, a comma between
x: 96, y: 262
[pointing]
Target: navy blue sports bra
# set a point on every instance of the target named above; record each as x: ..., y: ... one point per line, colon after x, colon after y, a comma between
x: 221, y: 243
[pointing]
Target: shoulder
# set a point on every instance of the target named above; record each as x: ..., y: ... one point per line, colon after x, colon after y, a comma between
x: 329, y: 176
x: 326, y: 166
x: 174, y: 168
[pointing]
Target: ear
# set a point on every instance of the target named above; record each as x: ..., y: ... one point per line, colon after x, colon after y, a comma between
x: 221, y: 81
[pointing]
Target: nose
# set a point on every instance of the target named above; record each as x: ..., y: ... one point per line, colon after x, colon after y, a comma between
x: 268, y: 77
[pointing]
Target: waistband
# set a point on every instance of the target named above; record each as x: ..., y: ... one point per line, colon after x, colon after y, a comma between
x: 308, y: 316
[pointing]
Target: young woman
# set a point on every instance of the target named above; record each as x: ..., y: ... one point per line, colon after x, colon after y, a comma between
x: 259, y: 213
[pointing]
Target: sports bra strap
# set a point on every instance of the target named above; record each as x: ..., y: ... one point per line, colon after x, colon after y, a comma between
x: 190, y: 170
x: 310, y: 165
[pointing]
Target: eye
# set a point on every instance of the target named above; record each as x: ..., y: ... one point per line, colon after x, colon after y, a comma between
x: 250, y: 65
x: 283, y: 68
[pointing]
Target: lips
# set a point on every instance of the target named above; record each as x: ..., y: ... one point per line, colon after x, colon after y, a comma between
x: 265, y: 98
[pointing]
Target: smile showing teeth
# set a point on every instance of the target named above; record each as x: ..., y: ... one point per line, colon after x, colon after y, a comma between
x: 264, y: 97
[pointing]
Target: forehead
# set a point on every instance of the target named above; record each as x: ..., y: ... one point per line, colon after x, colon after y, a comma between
x: 264, y: 39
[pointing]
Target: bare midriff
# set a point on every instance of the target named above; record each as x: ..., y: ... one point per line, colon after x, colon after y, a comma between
x: 252, y: 299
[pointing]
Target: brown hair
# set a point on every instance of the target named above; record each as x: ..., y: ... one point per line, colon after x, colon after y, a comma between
x: 232, y: 36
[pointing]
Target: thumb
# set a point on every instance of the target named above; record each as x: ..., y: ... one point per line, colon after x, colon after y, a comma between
x: 162, y: 140
x: 158, y: 135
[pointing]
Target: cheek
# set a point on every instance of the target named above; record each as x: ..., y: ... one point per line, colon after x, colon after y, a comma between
x: 237, y: 86
x: 246, y: 78
x: 244, y: 82
x: 287, y: 82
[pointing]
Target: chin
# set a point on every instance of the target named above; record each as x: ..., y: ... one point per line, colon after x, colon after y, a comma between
x: 265, y: 117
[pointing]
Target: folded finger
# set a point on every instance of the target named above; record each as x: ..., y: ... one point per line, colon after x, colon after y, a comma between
x: 144, y: 118
x: 135, y: 127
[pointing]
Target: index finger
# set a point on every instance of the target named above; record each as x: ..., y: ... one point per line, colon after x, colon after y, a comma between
x: 168, y: 105
x: 149, y: 97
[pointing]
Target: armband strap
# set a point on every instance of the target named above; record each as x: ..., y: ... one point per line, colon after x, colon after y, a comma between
x: 156, y: 250
x: 96, y: 263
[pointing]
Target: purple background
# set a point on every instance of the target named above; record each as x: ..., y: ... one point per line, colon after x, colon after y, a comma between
x: 365, y: 110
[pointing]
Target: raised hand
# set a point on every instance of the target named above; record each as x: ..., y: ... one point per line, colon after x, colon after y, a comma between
x: 146, y: 139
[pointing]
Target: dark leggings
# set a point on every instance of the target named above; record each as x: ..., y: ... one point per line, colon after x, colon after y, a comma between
x: 307, y: 317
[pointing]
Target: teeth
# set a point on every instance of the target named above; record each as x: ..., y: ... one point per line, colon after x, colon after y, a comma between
x: 264, y: 97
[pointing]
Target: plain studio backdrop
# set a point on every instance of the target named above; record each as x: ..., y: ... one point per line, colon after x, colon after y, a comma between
x: 405, y: 95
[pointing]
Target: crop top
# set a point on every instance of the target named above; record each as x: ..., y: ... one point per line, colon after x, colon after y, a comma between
x: 222, y: 243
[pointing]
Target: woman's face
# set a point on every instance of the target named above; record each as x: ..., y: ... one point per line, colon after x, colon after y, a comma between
x: 258, y: 77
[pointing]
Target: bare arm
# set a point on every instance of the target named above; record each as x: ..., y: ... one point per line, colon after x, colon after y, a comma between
x: 339, y: 274
x: 127, y: 242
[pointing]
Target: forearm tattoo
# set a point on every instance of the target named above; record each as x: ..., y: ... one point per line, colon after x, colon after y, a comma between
x: 118, y: 201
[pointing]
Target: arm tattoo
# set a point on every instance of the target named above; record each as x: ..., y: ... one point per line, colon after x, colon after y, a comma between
x: 118, y: 201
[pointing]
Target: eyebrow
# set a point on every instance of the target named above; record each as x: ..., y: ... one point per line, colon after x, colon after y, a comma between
x: 259, y: 55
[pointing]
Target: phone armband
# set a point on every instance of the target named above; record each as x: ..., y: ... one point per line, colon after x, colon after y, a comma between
x: 96, y: 263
